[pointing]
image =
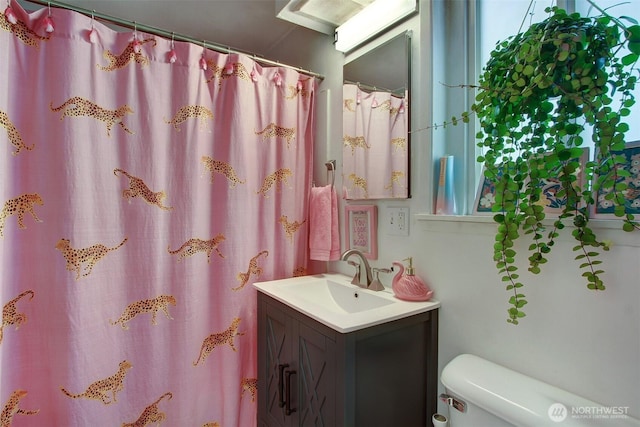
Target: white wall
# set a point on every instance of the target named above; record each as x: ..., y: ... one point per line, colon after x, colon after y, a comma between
x: 583, y: 341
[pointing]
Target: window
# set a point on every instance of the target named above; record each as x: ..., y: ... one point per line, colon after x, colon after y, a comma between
x: 486, y: 22
x: 618, y: 8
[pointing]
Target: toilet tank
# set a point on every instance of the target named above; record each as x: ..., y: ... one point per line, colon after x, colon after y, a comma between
x: 496, y: 396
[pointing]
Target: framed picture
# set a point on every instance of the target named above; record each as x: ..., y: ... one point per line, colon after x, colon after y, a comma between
x: 604, y: 208
x: 485, y: 196
x: 361, y: 224
x: 551, y: 186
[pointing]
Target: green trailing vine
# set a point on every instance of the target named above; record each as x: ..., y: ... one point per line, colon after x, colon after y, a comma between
x: 538, y: 96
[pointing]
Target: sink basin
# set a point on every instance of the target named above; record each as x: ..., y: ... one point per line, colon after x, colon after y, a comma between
x: 337, y: 296
x: 332, y: 300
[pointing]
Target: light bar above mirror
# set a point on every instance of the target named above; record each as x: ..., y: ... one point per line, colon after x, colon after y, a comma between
x: 320, y: 15
x: 370, y: 21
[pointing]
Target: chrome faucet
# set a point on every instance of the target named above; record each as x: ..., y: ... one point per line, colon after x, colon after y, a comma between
x: 363, y: 282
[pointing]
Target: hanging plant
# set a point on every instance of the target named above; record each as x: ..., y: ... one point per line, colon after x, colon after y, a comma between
x: 539, y: 94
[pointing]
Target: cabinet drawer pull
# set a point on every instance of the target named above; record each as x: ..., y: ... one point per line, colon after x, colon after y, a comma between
x: 281, y: 369
x: 288, y: 409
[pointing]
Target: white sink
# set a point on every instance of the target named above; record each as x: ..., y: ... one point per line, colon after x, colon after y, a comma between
x: 332, y: 300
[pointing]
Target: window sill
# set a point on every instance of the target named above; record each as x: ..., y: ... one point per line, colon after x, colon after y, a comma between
x: 606, y: 229
x: 596, y: 223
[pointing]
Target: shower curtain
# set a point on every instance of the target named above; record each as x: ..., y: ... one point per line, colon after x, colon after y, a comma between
x: 375, y: 150
x: 145, y: 185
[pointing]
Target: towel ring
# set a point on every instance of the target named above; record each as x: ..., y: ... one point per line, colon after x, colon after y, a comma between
x: 331, y: 169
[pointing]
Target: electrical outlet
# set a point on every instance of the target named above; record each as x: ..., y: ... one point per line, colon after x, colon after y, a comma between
x: 397, y: 221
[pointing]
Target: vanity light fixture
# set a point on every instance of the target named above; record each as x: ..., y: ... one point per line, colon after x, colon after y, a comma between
x: 319, y: 15
x: 370, y: 21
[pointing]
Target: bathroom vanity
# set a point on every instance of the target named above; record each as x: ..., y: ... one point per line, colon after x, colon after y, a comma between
x: 312, y: 374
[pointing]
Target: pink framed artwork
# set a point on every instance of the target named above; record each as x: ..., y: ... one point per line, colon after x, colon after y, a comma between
x: 361, y: 225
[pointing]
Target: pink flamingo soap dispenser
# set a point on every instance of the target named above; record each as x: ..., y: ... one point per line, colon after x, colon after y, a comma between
x: 407, y: 286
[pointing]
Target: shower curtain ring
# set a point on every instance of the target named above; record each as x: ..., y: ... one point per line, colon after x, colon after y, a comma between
x: 172, y: 55
x: 93, y: 37
x: 203, y: 61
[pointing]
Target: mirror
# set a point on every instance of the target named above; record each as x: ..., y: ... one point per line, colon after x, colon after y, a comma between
x: 375, y: 121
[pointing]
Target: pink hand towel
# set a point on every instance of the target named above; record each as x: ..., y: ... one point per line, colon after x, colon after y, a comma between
x: 324, y: 234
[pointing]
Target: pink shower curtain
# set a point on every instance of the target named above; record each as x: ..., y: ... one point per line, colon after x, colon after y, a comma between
x: 375, y: 149
x: 140, y: 200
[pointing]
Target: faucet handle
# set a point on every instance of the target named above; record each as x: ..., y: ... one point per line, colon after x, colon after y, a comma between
x: 356, y: 277
x: 376, y: 285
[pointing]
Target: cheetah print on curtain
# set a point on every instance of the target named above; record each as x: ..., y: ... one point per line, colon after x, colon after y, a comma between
x: 140, y: 200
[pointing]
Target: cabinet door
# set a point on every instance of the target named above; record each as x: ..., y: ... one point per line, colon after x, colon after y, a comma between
x: 316, y: 378
x: 274, y: 347
x: 297, y: 363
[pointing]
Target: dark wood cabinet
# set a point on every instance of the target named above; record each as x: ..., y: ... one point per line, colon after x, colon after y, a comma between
x: 312, y: 375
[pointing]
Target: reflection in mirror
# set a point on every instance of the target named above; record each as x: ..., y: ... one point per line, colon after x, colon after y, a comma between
x: 376, y: 147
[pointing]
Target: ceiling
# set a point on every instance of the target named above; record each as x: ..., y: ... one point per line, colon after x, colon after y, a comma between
x: 246, y: 25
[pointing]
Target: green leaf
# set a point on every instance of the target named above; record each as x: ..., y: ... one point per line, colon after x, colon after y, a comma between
x: 634, y: 39
x: 634, y: 47
x: 546, y: 107
x: 629, y: 59
x: 628, y: 18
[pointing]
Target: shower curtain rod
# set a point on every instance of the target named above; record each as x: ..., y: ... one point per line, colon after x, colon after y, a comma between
x: 399, y: 93
x: 133, y: 25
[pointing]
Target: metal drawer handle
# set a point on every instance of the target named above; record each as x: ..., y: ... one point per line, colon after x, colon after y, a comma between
x: 281, y: 369
x: 288, y: 409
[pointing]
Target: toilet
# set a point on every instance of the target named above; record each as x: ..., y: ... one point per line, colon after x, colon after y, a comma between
x: 481, y: 393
